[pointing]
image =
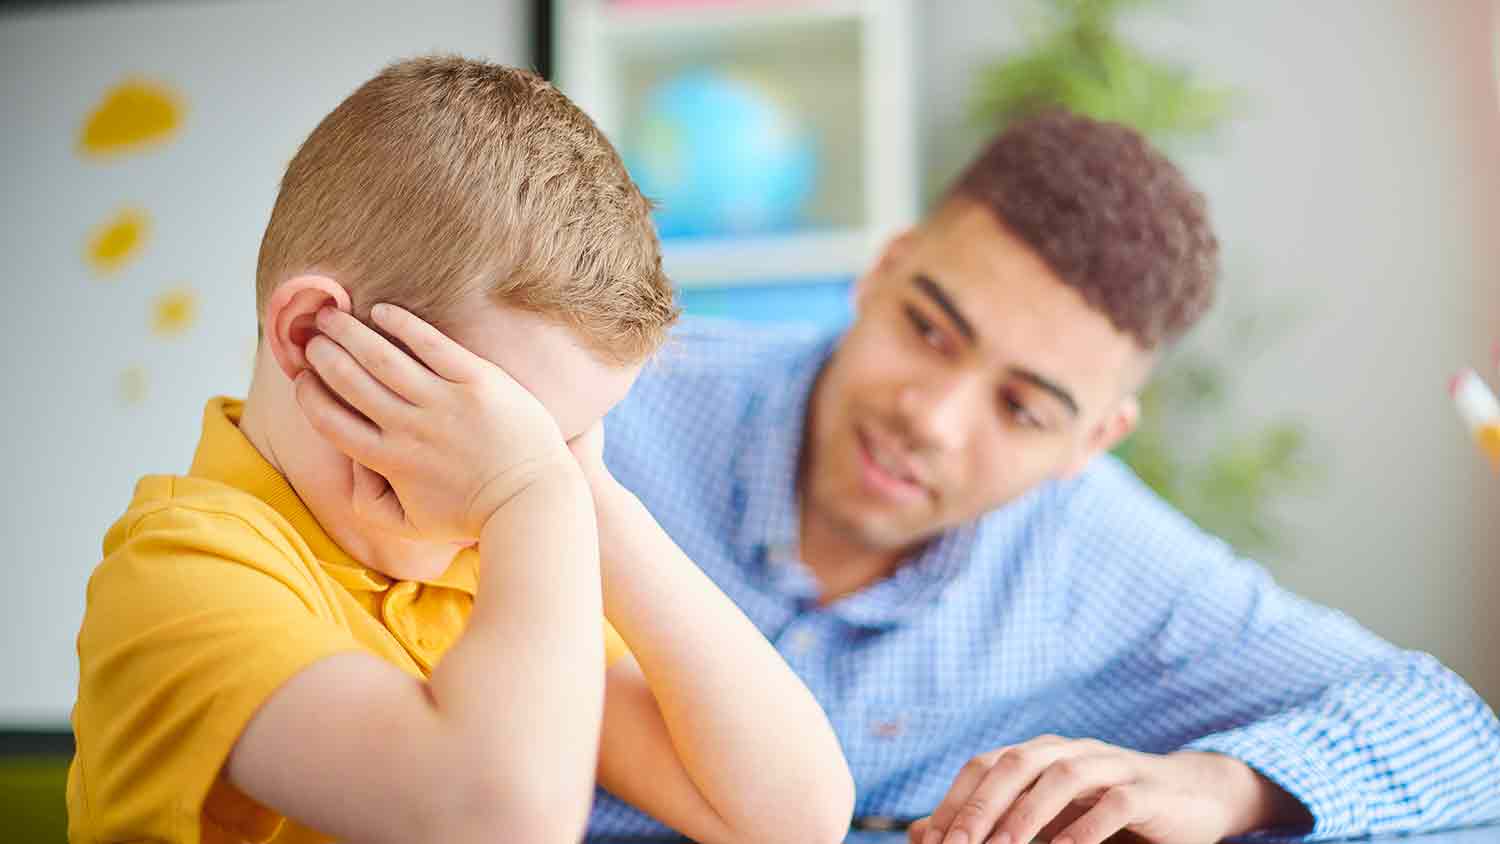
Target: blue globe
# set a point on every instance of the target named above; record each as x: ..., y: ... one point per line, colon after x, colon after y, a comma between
x: 721, y: 156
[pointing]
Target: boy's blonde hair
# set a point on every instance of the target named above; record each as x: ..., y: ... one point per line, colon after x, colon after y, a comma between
x: 443, y: 177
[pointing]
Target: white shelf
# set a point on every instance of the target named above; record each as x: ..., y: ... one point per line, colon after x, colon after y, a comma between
x: 848, y: 65
x: 768, y: 259
x: 719, y: 19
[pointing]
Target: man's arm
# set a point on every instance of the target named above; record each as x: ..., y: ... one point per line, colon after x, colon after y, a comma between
x: 1214, y: 656
x: 707, y: 729
x: 1214, y: 703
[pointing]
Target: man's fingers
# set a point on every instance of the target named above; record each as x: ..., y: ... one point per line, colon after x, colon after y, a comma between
x: 436, y: 350
x: 1119, y: 808
x: 1064, y: 781
x: 918, y: 830
x: 382, y: 359
x: 1013, y: 772
x: 347, y: 430
x: 341, y: 373
x: 964, y: 784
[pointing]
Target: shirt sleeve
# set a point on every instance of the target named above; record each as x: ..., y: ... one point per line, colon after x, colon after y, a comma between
x: 1201, y: 650
x: 192, y: 623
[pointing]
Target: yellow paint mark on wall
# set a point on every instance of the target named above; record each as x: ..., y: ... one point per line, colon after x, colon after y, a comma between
x: 174, y: 312
x: 117, y: 241
x: 133, y: 115
x: 132, y: 387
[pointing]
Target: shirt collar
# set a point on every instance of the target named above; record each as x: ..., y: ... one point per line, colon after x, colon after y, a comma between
x: 767, y: 538
x: 765, y: 466
x: 227, y: 456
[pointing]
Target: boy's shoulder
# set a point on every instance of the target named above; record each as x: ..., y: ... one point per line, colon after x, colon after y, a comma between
x: 170, y: 516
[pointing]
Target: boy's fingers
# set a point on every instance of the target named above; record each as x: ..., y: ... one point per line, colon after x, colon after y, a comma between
x: 439, y: 352
x: 341, y: 373
x: 385, y: 362
x: 349, y: 433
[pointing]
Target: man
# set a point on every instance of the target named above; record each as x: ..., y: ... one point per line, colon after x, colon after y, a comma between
x: 1008, y: 630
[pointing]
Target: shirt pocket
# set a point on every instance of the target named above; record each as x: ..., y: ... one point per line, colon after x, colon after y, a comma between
x: 919, y: 744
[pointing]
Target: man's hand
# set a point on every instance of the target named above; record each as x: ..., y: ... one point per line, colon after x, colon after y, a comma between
x: 437, y: 449
x: 1079, y: 791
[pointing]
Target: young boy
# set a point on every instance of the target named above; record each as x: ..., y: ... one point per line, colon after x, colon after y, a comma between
x: 371, y: 609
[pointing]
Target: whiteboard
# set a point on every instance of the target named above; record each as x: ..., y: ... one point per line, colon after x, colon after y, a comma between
x: 106, y: 371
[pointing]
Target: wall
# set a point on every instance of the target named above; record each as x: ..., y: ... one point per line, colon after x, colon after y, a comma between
x: 1362, y: 183
x: 256, y: 77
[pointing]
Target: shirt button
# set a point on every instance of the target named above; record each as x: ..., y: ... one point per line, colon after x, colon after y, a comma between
x: 887, y: 729
x: 803, y: 641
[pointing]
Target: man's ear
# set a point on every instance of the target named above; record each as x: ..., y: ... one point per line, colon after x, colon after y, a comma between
x: 291, y: 314
x: 897, y: 248
x: 1116, y: 426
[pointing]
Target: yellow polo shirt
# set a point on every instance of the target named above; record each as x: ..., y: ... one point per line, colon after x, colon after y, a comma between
x: 215, y: 588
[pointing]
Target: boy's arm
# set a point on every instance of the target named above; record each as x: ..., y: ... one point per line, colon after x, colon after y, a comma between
x: 504, y: 737
x: 500, y: 740
x: 710, y: 732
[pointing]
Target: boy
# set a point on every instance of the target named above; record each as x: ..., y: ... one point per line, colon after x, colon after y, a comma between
x: 370, y: 610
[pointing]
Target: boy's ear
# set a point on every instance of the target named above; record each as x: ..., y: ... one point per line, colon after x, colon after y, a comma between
x: 291, y: 314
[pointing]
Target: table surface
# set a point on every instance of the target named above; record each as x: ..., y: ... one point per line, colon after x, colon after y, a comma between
x: 1488, y: 834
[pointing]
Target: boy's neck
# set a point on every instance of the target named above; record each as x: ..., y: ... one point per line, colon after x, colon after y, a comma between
x: 254, y: 415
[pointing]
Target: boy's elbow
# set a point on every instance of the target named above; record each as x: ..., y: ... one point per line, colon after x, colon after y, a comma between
x: 821, y: 817
x: 835, y: 809
x: 491, y: 808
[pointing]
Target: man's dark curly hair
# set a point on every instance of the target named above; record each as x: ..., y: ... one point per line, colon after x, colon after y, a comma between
x: 1111, y: 216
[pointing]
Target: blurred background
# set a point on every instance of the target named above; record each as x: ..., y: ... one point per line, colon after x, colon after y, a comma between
x: 1350, y: 150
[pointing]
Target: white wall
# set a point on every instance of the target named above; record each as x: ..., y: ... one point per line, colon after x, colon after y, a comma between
x: 1363, y: 181
x: 257, y: 77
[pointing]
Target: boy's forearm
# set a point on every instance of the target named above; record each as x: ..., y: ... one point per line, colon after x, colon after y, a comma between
x: 748, y: 732
x: 525, y: 682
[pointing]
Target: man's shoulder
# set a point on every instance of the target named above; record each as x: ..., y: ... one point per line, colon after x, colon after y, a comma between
x: 1105, y: 513
x: 715, y: 365
x: 719, y: 348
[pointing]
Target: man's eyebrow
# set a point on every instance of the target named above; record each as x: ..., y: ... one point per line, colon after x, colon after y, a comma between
x: 1052, y: 387
x: 940, y: 297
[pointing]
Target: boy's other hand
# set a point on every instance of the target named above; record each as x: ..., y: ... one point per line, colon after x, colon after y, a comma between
x: 438, y: 445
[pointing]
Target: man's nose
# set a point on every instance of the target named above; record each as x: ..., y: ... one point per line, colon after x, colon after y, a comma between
x: 937, y: 412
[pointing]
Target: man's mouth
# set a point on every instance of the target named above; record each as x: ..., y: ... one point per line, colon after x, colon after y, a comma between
x: 884, y: 471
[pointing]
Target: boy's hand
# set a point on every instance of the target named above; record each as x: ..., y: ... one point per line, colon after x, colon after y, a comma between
x: 437, y: 449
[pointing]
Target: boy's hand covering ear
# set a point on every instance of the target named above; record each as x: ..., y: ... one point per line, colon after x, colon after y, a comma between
x: 438, y: 445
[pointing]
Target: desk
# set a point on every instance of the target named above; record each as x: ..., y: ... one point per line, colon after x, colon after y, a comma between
x: 1489, y: 834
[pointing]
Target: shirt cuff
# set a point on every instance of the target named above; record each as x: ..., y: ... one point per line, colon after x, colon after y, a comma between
x: 1291, y: 762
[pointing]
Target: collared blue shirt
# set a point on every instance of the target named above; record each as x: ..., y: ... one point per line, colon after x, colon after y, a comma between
x: 1086, y: 608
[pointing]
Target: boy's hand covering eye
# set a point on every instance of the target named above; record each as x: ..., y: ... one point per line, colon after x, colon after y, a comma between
x: 440, y: 438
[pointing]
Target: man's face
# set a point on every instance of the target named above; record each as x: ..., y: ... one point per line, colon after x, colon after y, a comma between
x: 575, y: 386
x: 971, y: 374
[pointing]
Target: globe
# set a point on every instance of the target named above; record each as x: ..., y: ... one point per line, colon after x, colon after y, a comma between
x: 722, y: 156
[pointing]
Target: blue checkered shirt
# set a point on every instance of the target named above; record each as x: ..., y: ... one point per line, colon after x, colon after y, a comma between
x: 1088, y: 607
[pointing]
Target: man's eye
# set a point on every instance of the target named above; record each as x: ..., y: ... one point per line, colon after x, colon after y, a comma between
x: 1018, y: 411
x: 925, y: 329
